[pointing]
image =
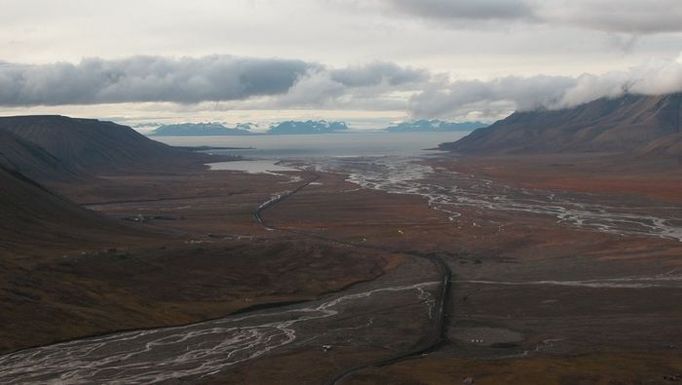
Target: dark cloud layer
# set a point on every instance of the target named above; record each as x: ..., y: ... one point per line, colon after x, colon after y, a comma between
x: 144, y: 78
x: 620, y: 16
x: 192, y: 80
x: 375, y: 74
x: 251, y: 83
x: 464, y: 9
x: 625, y: 16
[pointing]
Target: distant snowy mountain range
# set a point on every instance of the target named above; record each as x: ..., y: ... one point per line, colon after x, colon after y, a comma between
x: 202, y: 129
x: 434, y: 126
x: 293, y: 127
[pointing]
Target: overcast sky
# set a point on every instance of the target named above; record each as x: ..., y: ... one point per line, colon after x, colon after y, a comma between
x: 366, y: 61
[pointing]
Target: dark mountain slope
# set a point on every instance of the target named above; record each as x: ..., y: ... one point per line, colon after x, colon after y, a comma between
x: 625, y: 124
x: 84, y: 146
x: 670, y: 145
x: 20, y: 155
x: 33, y: 217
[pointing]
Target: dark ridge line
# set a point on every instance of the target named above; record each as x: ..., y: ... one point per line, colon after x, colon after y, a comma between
x: 103, y: 203
x: 257, y: 214
x: 17, y: 174
x: 679, y: 112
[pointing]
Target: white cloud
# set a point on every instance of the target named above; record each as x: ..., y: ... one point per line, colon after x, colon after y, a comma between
x: 378, y: 55
x: 252, y: 84
x: 448, y: 99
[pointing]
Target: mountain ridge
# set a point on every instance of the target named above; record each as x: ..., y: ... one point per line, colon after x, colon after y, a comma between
x: 201, y: 129
x: 34, y: 215
x: 295, y: 127
x: 631, y: 123
x: 59, y: 147
x: 433, y: 125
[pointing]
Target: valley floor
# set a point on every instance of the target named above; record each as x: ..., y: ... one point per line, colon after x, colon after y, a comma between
x: 555, y: 280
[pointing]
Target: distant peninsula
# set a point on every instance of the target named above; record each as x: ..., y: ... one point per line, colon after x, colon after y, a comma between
x: 292, y: 127
x: 434, y: 126
x: 202, y: 129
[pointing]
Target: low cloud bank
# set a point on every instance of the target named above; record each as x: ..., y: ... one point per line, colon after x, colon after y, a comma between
x: 249, y: 83
x: 185, y: 80
x: 144, y: 79
x: 502, y: 95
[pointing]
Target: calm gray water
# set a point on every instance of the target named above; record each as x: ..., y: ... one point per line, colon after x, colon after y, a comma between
x: 282, y: 147
x: 253, y: 166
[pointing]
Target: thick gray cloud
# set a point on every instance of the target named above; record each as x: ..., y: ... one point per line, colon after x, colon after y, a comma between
x: 464, y: 9
x: 620, y: 16
x: 249, y: 83
x: 368, y: 87
x: 448, y: 99
x: 375, y: 74
x: 193, y: 80
x: 145, y: 78
x: 626, y: 16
